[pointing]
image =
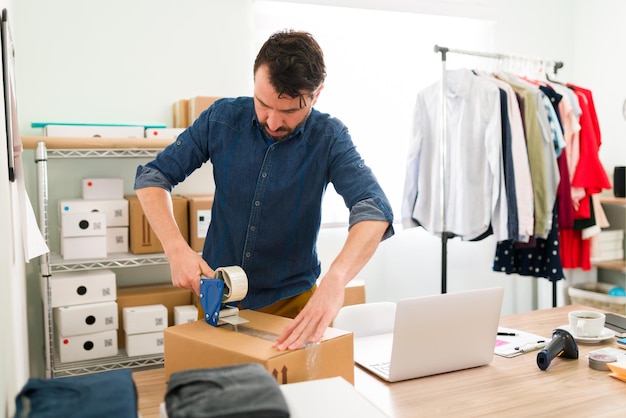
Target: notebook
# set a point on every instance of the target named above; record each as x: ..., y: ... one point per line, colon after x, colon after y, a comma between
x: 434, y: 334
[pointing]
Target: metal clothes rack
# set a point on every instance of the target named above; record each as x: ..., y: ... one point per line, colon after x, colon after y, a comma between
x: 556, y: 65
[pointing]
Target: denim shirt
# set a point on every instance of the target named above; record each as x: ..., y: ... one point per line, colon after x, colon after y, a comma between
x: 266, y: 210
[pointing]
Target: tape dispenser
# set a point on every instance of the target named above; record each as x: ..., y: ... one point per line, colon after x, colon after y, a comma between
x: 229, y: 285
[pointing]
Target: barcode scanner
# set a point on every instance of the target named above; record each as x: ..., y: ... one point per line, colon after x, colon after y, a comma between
x: 561, y: 345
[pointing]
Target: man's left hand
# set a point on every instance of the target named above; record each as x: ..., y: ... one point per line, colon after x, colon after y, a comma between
x: 315, y: 317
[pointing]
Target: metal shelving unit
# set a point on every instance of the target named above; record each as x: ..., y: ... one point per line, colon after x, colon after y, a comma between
x: 53, y: 263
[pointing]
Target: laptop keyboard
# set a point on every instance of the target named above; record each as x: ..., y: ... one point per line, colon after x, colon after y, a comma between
x: 382, y: 367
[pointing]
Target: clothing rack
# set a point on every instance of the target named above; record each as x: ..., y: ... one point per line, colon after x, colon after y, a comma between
x: 556, y: 65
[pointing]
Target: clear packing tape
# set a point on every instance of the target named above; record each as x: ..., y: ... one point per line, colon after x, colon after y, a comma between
x: 231, y: 285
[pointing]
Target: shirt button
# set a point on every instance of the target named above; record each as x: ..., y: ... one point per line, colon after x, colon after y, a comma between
x: 257, y: 203
x: 264, y: 175
x: 248, y: 255
x: 252, y: 228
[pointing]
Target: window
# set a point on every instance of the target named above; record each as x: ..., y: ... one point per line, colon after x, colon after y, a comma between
x: 377, y: 61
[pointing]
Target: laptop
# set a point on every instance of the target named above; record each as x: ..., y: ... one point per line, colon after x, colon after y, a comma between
x: 433, y: 335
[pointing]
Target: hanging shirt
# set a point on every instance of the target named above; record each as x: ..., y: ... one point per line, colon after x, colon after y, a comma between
x: 474, y: 190
x: 521, y: 168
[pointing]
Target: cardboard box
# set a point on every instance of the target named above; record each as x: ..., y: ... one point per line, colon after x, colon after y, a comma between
x: 117, y: 239
x: 87, y: 346
x: 198, y: 105
x: 86, y: 319
x: 79, y: 287
x: 200, y: 345
x: 144, y: 319
x: 354, y: 293
x: 180, y: 114
x: 103, y: 188
x: 164, y: 294
x: 115, y: 210
x: 143, y: 240
x: 144, y: 344
x: 199, y: 219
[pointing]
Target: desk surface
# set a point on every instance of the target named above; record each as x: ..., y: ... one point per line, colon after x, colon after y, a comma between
x: 506, y: 387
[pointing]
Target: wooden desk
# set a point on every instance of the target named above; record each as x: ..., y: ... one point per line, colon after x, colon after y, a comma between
x: 507, y: 387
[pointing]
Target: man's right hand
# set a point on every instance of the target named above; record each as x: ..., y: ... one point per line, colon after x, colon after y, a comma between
x: 186, y: 267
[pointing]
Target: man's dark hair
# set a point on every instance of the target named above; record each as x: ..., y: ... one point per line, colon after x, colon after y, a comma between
x: 295, y: 62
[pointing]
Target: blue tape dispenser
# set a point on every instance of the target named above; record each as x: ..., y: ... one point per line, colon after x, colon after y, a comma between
x: 230, y: 285
x: 211, y: 293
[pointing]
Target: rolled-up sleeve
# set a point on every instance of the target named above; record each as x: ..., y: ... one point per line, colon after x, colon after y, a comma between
x: 368, y: 210
x: 150, y: 177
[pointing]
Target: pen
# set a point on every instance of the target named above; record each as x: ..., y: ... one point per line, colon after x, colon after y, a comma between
x: 510, y: 334
x: 531, y: 347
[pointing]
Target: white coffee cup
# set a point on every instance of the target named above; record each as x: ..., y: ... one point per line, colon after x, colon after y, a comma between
x: 587, y: 324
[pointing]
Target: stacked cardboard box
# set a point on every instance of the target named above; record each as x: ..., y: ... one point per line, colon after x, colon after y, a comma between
x: 199, y: 219
x: 143, y: 240
x: 186, y: 111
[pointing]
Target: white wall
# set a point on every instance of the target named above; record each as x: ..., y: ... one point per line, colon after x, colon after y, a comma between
x: 128, y: 61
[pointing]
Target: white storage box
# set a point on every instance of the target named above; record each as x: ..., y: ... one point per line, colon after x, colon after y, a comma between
x: 77, y: 248
x: 87, y: 346
x: 117, y: 239
x: 171, y: 133
x: 86, y: 131
x: 103, y: 188
x: 83, y: 224
x: 143, y: 319
x: 608, y: 245
x: 79, y: 287
x: 144, y: 344
x: 115, y: 210
x: 86, y: 319
x: 185, y: 313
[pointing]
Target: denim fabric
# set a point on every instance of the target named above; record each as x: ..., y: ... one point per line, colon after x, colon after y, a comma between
x: 240, y: 391
x: 266, y: 210
x: 98, y: 395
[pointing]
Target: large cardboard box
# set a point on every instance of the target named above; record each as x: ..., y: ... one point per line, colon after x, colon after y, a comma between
x: 200, y: 345
x: 144, y: 295
x: 198, y: 105
x: 180, y: 114
x: 199, y: 219
x: 354, y: 293
x: 143, y: 240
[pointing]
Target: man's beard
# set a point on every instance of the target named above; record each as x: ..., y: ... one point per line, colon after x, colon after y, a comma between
x: 284, y: 131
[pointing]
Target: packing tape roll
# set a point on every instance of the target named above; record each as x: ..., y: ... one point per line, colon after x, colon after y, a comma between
x: 235, y: 283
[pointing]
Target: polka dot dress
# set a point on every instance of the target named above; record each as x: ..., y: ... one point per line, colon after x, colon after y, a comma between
x: 538, y: 258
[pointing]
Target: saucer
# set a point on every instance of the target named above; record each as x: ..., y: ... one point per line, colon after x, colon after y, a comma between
x: 604, y: 335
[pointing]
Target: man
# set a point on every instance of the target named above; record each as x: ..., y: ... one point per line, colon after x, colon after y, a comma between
x: 273, y: 156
